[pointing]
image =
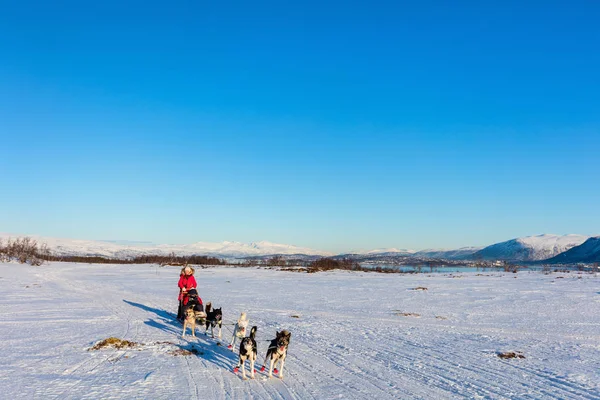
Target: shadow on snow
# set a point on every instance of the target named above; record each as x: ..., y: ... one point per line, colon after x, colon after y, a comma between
x: 159, y: 312
x: 207, y: 349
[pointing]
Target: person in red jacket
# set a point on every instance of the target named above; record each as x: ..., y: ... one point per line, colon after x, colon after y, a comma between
x: 186, y: 283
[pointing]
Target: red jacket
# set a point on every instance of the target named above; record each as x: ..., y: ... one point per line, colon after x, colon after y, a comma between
x: 188, y: 282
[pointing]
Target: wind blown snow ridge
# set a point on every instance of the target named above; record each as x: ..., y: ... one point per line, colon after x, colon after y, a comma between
x: 61, y: 246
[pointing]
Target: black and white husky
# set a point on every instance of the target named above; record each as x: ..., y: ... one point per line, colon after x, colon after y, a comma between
x: 248, y: 351
x: 213, y: 318
x: 239, y: 330
x: 277, y: 352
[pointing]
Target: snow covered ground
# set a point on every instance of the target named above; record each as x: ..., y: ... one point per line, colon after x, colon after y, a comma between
x: 350, y: 339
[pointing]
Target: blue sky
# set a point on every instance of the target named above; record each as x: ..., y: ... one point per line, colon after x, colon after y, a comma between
x: 338, y: 126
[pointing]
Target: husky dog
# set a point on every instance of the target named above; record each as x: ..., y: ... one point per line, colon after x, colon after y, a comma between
x: 277, y: 351
x: 190, y: 320
x: 213, y: 318
x: 195, y: 302
x: 239, y: 330
x: 248, y: 352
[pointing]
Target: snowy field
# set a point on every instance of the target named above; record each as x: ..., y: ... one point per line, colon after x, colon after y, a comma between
x: 350, y: 340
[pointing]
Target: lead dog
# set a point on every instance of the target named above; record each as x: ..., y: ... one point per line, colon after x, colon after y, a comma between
x: 195, y: 303
x: 248, y: 351
x: 213, y: 318
x: 190, y: 320
x: 277, y: 352
x: 239, y: 330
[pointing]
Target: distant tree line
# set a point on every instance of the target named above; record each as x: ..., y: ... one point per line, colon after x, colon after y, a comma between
x: 318, y: 265
x: 274, y: 261
x: 328, y: 264
x: 145, y: 259
x: 173, y: 259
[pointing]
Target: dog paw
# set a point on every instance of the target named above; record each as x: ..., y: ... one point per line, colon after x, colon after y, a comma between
x: 244, y: 378
x: 262, y: 369
x: 275, y: 371
x: 230, y: 347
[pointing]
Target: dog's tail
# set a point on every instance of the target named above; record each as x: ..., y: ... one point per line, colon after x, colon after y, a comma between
x: 243, y: 316
x: 208, y: 307
x: 253, y: 332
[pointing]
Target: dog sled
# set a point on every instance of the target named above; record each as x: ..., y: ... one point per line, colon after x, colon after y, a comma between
x: 194, y: 302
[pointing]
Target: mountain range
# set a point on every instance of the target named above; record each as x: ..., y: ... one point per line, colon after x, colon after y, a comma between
x: 554, y: 248
x: 531, y: 248
x: 124, y: 249
x: 587, y: 252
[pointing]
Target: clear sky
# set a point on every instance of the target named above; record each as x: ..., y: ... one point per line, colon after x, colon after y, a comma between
x: 338, y: 125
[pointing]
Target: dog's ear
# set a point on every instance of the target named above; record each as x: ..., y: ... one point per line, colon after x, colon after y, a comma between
x: 277, y: 334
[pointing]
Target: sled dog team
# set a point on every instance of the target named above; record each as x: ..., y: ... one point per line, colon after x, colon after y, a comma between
x: 191, y: 310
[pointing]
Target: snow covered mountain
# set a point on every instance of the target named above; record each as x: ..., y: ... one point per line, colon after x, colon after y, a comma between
x: 457, y: 254
x: 531, y: 248
x: 386, y: 251
x: 61, y: 246
x: 587, y: 252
